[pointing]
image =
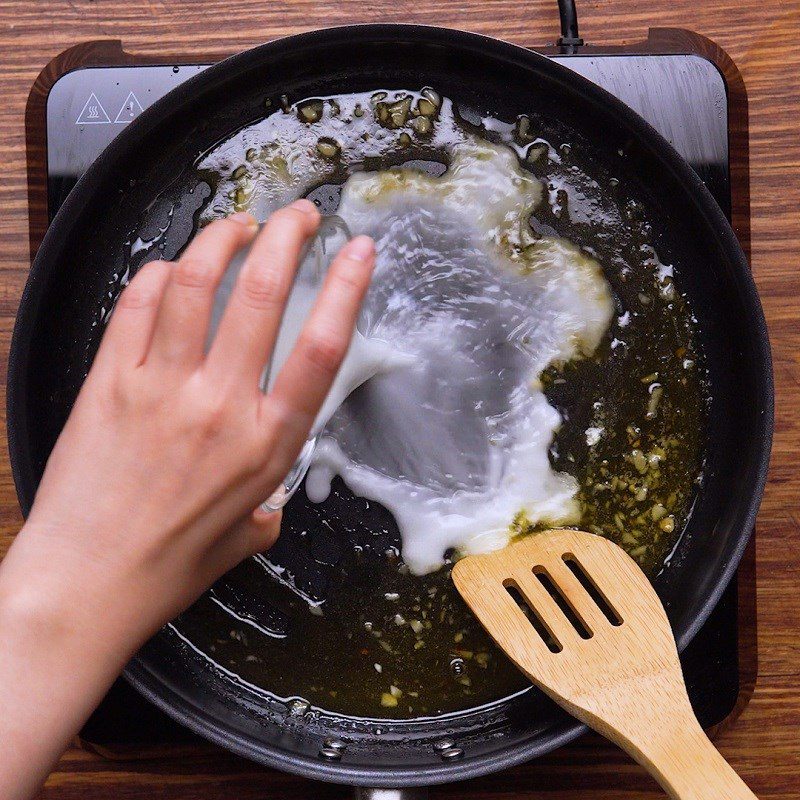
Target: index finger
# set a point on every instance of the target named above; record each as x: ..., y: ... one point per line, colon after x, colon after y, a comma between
x: 249, y: 326
x: 305, y: 379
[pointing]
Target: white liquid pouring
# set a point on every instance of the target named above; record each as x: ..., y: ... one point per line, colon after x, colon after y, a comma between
x: 365, y: 358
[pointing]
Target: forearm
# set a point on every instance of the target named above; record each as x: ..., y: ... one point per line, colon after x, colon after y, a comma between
x: 57, y: 659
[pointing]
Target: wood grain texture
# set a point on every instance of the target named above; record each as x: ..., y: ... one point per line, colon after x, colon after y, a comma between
x: 762, y: 40
x: 612, y: 663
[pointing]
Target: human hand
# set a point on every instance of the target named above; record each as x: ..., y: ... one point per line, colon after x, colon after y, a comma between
x: 154, y: 481
x: 152, y: 490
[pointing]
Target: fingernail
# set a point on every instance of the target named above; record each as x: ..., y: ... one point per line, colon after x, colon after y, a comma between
x: 361, y: 248
x: 243, y: 218
x: 306, y: 206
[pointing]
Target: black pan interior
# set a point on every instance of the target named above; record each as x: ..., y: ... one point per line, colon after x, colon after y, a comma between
x: 56, y: 335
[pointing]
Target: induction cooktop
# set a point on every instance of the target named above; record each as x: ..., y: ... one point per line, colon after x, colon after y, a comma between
x: 683, y: 84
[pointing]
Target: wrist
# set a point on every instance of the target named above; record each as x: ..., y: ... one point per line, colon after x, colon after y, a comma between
x: 55, y: 600
x: 56, y: 663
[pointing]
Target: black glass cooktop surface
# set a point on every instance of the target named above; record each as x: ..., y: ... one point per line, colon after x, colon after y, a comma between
x: 683, y: 96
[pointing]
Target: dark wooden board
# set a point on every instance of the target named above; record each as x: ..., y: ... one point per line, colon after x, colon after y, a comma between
x: 763, y: 41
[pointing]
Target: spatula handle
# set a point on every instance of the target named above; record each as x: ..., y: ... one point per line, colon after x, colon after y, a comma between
x: 676, y: 751
x: 699, y: 772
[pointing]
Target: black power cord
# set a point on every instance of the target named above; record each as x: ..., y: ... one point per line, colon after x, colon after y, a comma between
x: 569, y: 38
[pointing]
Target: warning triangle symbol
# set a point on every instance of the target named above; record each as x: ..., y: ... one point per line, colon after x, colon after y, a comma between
x: 93, y: 112
x: 131, y: 108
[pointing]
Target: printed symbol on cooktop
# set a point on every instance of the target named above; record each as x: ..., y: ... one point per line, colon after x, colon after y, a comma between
x: 131, y: 108
x: 93, y: 113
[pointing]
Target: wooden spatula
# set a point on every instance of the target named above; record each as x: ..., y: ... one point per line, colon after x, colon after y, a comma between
x: 576, y: 614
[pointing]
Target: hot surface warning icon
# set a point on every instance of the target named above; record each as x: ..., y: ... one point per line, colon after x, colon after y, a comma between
x: 131, y: 108
x: 93, y: 113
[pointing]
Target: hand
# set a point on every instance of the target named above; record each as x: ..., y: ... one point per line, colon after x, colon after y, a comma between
x: 152, y: 490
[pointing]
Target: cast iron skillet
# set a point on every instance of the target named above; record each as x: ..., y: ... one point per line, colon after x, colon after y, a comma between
x: 55, y: 336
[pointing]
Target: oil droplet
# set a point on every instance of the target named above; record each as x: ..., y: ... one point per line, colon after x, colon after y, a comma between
x: 457, y: 667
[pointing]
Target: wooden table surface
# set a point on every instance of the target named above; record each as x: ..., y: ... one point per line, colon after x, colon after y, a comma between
x: 764, y: 744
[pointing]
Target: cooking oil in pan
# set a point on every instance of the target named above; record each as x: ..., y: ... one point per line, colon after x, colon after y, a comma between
x: 602, y: 347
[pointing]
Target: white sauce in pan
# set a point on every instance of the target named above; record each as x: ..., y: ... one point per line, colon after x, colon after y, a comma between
x: 451, y: 431
x: 455, y: 444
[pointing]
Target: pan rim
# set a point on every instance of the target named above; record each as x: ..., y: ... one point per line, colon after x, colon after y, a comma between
x: 136, y: 672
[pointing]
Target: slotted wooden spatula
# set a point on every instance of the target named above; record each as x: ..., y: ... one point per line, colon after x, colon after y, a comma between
x: 576, y: 614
